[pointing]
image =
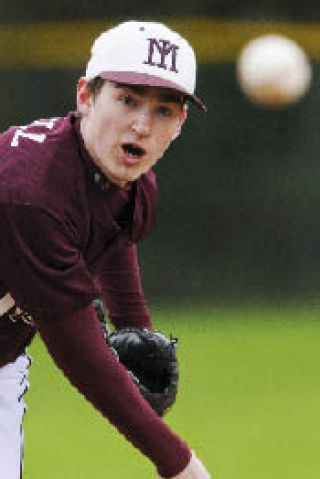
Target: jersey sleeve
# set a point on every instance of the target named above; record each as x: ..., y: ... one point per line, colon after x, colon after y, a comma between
x: 121, y: 284
x: 41, y: 268
x: 46, y: 276
x: 79, y: 350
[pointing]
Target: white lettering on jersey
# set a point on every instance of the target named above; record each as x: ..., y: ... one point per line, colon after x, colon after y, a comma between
x: 38, y: 137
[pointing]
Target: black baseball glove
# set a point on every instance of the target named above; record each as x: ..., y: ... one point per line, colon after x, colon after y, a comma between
x: 151, y: 360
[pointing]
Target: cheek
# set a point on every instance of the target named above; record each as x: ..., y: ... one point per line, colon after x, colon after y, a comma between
x: 102, y: 135
x: 165, y: 139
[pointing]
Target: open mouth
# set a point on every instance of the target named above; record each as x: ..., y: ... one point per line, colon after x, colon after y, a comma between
x: 133, y: 151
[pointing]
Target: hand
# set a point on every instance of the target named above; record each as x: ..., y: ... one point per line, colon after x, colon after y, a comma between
x: 194, y: 470
x: 151, y: 360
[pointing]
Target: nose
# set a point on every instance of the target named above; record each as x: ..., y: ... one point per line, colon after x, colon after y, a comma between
x: 141, y: 123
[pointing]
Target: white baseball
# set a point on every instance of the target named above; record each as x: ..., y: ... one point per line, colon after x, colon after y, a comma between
x: 273, y: 70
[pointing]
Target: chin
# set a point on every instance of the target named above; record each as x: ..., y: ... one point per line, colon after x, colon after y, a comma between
x: 123, y: 177
x: 121, y: 182
x: 133, y: 175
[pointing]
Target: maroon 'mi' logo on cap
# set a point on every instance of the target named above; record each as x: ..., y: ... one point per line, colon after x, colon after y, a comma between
x: 164, y: 51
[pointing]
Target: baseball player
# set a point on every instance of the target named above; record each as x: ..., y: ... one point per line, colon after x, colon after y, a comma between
x: 76, y: 194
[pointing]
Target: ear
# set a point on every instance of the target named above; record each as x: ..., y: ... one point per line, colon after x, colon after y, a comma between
x: 183, y: 117
x: 84, y: 100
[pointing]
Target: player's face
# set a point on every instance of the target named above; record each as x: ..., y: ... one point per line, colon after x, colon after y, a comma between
x: 127, y: 129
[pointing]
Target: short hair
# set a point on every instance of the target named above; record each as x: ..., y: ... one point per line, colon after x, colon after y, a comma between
x: 94, y: 85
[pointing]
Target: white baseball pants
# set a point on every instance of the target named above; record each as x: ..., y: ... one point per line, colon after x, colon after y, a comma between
x: 13, y: 385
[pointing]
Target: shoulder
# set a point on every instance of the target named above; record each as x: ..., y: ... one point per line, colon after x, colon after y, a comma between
x: 147, y: 184
x: 145, y: 213
x: 30, y: 139
x: 37, y: 160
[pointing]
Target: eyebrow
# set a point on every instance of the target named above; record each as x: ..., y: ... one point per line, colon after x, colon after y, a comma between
x: 172, y: 97
x: 165, y: 95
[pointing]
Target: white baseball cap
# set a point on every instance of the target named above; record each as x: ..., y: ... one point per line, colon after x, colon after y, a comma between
x: 145, y: 53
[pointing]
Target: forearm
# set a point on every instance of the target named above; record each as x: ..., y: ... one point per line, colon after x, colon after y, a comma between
x: 122, y: 289
x: 80, y: 352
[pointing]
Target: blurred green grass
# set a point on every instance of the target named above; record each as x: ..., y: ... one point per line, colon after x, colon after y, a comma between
x: 248, y: 401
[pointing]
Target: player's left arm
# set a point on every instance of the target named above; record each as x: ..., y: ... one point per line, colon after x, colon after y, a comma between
x: 120, y: 278
x: 121, y: 285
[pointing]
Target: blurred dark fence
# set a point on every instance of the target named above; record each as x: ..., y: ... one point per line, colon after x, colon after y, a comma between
x: 239, y: 190
x: 30, y: 10
x: 239, y: 200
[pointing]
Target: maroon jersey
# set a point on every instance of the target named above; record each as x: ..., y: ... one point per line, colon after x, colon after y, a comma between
x: 67, y: 235
x: 69, y: 232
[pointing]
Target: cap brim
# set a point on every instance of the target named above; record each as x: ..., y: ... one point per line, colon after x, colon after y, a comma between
x: 134, y: 78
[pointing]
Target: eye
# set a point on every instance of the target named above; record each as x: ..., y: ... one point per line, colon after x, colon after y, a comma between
x: 165, y: 111
x: 127, y: 100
